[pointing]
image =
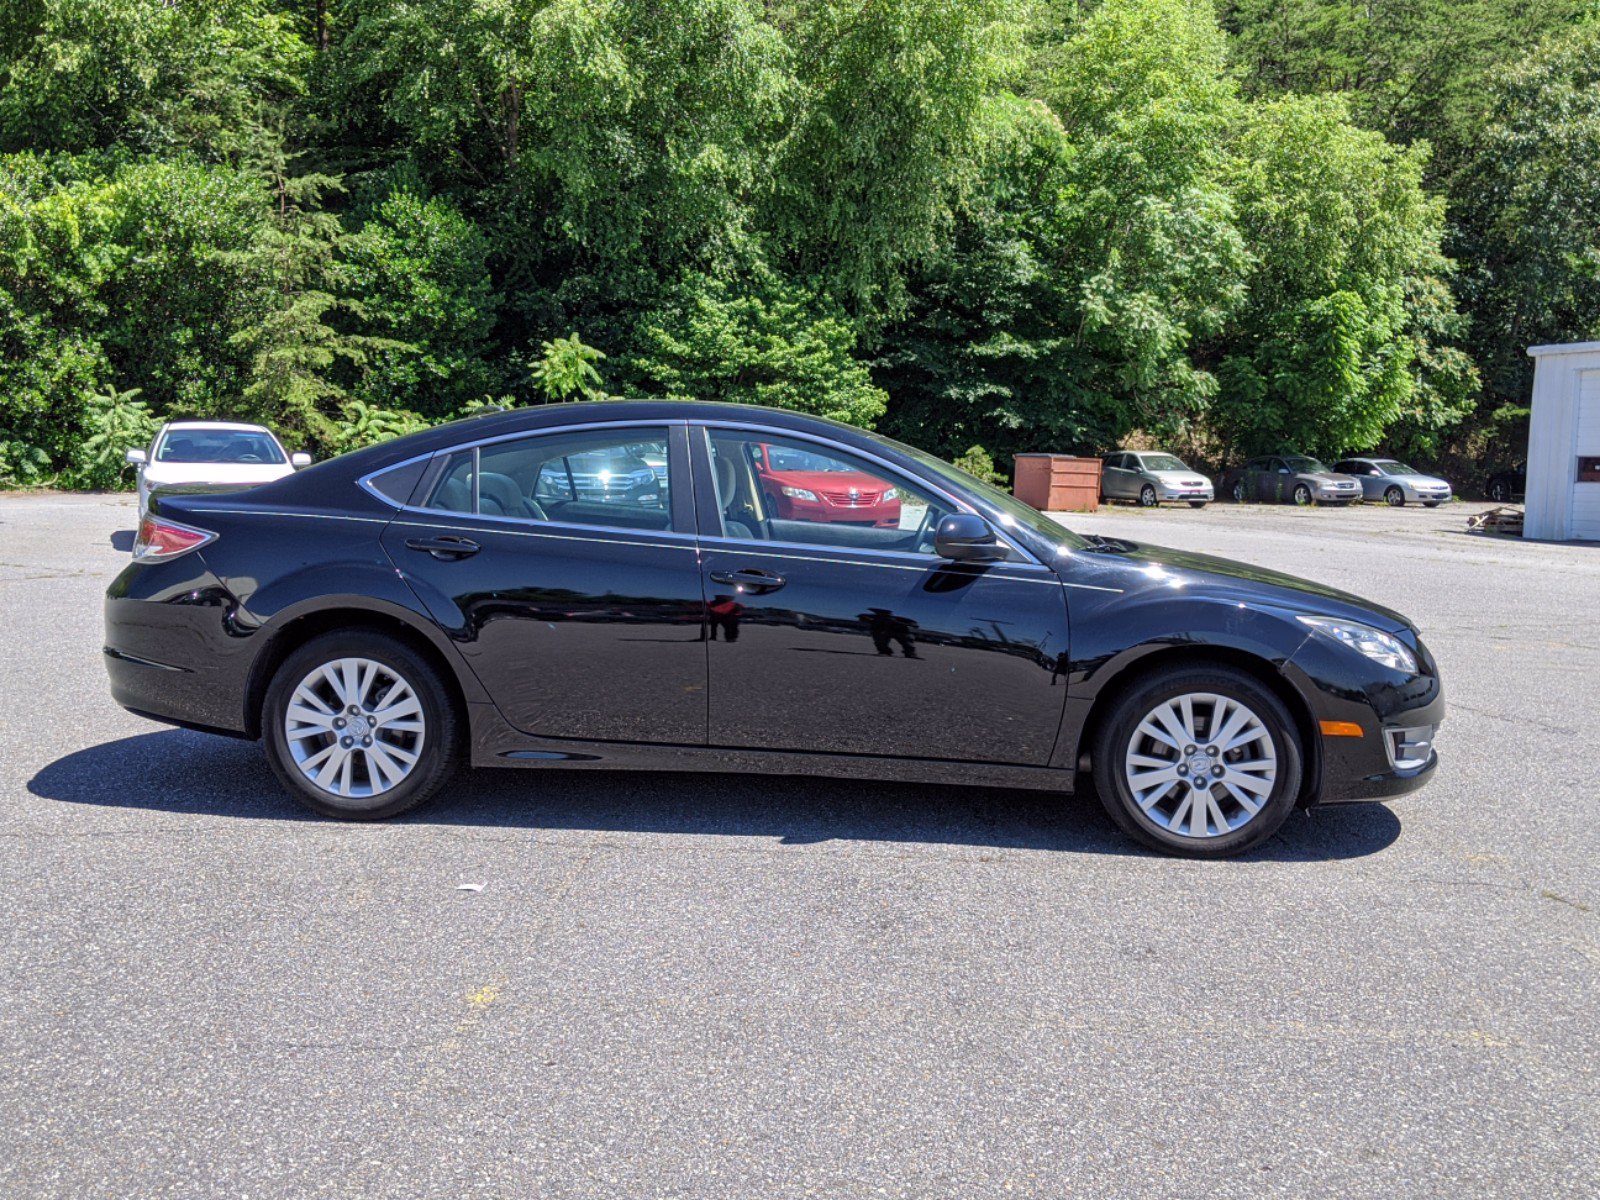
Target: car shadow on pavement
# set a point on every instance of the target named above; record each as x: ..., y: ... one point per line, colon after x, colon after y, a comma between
x: 193, y: 773
x: 122, y: 540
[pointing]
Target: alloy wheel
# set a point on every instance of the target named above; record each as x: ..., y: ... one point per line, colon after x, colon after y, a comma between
x: 1201, y: 765
x: 1147, y: 496
x: 1394, y: 497
x: 355, y: 728
x: 1238, y: 492
x: 1302, y: 494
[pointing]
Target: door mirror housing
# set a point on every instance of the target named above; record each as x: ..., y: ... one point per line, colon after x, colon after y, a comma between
x: 135, y: 458
x: 1283, y: 470
x: 299, y: 459
x: 966, y: 537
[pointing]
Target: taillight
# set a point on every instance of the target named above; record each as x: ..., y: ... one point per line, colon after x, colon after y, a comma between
x: 160, y: 538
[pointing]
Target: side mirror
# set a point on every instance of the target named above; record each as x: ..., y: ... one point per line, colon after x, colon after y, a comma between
x: 135, y: 458
x: 1283, y: 470
x: 299, y: 459
x: 966, y: 537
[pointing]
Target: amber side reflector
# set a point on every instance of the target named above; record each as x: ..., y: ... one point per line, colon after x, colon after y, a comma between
x: 1340, y: 729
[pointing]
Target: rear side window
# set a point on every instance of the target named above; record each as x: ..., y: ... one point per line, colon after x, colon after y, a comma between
x: 610, y: 478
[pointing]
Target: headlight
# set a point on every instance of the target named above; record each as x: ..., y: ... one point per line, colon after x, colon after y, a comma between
x: 798, y: 493
x: 891, y: 494
x: 1380, y: 647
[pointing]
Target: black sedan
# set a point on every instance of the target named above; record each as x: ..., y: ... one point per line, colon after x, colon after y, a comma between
x: 383, y: 617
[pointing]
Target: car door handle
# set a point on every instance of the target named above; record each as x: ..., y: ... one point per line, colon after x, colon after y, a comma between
x: 750, y: 580
x: 444, y: 548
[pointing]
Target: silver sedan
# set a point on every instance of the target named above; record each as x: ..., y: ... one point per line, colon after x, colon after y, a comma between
x: 1394, y: 483
x: 1151, y: 476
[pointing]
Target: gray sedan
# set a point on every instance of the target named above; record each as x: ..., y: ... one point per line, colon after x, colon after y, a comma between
x: 1394, y: 483
x: 1151, y: 476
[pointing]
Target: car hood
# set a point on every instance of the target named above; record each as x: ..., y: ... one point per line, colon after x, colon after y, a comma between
x: 1179, y: 476
x: 1148, y: 567
x: 230, y: 474
x: 1328, y: 477
x: 1431, y: 480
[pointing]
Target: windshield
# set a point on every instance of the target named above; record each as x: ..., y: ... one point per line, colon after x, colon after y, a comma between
x: 1161, y: 462
x: 1299, y: 462
x: 1009, y: 505
x: 218, y: 446
x: 1397, y: 468
x: 784, y: 458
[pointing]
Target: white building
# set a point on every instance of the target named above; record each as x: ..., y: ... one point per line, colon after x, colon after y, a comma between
x: 1563, y: 489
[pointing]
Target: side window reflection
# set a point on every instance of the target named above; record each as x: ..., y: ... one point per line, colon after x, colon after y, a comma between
x: 616, y: 478
x: 778, y: 489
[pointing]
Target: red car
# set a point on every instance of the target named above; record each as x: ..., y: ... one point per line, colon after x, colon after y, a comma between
x: 802, y: 486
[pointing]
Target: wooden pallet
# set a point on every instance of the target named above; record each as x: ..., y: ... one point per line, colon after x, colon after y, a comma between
x: 1505, y: 519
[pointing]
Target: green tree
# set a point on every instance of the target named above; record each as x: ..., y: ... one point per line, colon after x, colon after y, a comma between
x: 417, y: 275
x: 762, y: 340
x: 1528, y: 222
x: 1323, y: 355
x: 565, y: 370
x: 116, y: 421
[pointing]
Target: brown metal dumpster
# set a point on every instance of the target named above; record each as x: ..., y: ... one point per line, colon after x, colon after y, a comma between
x: 1058, y: 482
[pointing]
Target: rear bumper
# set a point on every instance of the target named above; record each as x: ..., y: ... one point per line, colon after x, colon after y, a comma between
x: 171, y: 651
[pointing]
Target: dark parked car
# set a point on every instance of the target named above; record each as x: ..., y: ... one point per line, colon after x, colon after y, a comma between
x: 1505, y: 487
x: 1290, y: 479
x: 381, y: 618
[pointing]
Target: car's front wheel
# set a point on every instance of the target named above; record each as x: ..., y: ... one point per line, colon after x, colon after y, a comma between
x: 1198, y: 761
x: 1302, y: 495
x: 360, y: 726
x: 1394, y: 497
x: 1147, y: 496
x: 1197, y: 504
x: 1238, y: 492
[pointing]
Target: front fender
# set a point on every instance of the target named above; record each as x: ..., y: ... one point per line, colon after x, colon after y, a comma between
x: 1114, y: 636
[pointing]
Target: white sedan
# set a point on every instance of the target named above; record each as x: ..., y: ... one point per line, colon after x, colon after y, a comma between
x: 211, y: 455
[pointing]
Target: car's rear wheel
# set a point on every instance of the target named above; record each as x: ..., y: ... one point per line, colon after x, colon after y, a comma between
x: 1147, y: 496
x: 1394, y: 497
x: 1302, y: 494
x: 1198, y: 761
x: 360, y: 726
x: 1500, y: 491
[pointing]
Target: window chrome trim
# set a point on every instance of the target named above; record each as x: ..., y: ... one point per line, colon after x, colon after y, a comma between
x: 538, y: 529
x: 960, y: 502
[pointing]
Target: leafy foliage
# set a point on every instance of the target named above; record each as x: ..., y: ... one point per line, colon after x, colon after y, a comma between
x: 1014, y: 224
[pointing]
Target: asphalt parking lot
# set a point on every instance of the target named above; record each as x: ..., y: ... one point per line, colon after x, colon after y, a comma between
x: 702, y: 986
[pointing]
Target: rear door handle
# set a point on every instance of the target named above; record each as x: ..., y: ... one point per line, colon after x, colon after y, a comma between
x: 444, y: 548
x: 750, y: 580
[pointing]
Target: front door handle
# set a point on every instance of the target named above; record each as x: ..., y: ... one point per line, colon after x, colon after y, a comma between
x: 750, y: 580
x: 445, y: 549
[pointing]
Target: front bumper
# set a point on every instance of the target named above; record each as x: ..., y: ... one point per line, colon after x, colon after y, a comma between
x: 1180, y: 493
x: 1394, y: 713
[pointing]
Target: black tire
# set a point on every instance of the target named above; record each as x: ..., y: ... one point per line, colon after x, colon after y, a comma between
x: 1147, y: 497
x: 1197, y: 504
x: 1500, y: 491
x: 1302, y: 495
x: 1119, y: 728
x: 1238, y: 491
x: 1394, y: 497
x: 1432, y: 503
x: 440, y: 748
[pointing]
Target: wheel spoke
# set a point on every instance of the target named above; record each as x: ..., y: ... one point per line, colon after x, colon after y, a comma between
x: 395, y: 743
x: 1191, y: 805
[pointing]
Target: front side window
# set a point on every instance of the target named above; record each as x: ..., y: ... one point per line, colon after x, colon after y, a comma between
x: 617, y: 478
x: 771, y: 489
x: 1301, y: 463
x: 234, y: 446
